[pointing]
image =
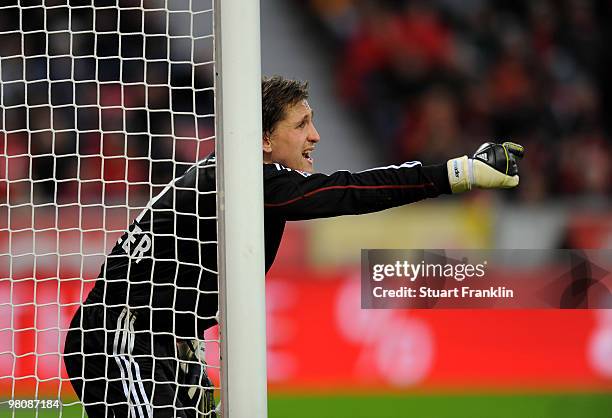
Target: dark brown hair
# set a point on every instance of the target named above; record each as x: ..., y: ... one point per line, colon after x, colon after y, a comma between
x: 277, y: 94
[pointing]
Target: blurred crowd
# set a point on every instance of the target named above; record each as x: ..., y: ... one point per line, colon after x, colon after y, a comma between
x: 435, y: 78
x: 100, y: 102
x: 83, y: 87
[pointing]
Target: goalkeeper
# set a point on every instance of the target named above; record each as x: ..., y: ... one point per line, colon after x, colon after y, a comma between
x: 134, y: 347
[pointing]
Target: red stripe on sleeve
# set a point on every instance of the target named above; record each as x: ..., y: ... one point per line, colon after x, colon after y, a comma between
x: 351, y: 186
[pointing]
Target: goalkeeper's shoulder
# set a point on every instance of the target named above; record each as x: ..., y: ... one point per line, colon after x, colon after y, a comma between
x: 200, y: 175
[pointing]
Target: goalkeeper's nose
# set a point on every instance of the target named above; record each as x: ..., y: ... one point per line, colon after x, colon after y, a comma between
x: 313, y: 134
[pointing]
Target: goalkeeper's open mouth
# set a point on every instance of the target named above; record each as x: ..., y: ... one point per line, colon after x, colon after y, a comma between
x: 308, y: 155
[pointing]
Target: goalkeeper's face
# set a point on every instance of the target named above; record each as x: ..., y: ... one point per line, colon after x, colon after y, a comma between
x: 293, y: 139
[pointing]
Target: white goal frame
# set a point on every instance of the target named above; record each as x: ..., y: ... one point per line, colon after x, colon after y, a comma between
x: 240, y: 209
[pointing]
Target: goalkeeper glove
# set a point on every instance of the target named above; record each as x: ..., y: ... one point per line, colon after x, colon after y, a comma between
x: 493, y: 166
x: 195, y: 388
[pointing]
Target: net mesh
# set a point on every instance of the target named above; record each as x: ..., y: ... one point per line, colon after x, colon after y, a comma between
x: 103, y: 104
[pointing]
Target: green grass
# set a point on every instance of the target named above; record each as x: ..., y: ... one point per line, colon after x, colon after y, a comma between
x: 588, y: 405
x: 443, y: 406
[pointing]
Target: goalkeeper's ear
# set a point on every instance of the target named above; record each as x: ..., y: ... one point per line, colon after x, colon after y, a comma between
x: 266, y: 142
x: 266, y: 145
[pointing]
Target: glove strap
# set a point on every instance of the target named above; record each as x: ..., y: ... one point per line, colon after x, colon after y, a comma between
x: 460, y: 174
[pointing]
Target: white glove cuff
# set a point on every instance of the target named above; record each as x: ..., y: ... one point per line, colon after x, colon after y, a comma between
x: 460, y: 174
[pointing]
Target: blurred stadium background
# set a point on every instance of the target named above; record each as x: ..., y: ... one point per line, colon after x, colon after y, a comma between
x: 390, y: 81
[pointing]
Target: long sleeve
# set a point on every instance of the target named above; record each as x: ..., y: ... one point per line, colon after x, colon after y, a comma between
x: 294, y: 195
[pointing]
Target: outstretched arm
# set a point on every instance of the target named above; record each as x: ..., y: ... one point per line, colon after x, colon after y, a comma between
x: 297, y: 196
x: 294, y: 195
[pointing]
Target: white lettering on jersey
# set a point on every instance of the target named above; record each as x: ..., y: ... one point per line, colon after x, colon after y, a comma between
x: 142, y: 246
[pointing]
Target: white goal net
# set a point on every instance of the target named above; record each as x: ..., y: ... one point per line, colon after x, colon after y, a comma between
x: 103, y: 104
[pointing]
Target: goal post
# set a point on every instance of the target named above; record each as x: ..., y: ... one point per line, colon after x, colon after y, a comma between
x: 240, y: 209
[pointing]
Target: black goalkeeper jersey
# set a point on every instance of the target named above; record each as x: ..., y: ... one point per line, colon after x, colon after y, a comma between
x: 165, y: 266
